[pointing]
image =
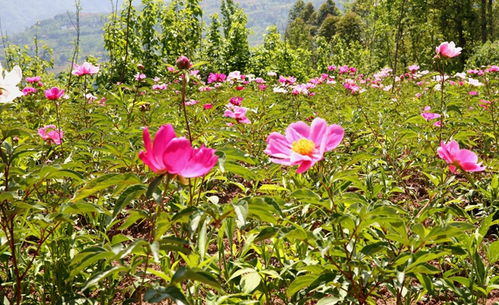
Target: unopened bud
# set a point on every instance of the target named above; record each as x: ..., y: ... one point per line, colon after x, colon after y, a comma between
x: 183, y: 63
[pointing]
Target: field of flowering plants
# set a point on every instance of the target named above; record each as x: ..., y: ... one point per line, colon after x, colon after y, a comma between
x: 184, y: 188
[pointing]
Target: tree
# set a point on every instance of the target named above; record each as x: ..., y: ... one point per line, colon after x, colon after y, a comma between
x: 349, y: 27
x: 327, y: 8
x: 329, y: 27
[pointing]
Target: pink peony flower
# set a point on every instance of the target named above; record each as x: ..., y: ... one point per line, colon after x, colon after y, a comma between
x: 331, y: 68
x: 351, y: 86
x: 236, y: 100
x: 437, y: 124
x: 51, y: 134
x: 237, y: 113
x: 158, y: 87
x: 262, y: 87
x: 29, y: 91
x: 459, y: 158
x: 492, y: 68
x: 303, y: 145
x: 85, y: 69
x: 427, y: 115
x: 207, y: 106
x: 290, y: 80
x: 484, y: 104
x: 343, y: 69
x: 413, y: 68
x: 140, y: 76
x: 54, y: 93
x: 447, y: 50
x: 169, y: 154
x: 473, y: 93
x: 34, y: 79
x: 216, y: 78
x: 191, y: 102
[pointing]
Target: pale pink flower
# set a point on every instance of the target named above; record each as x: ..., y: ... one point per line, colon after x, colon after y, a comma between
x: 51, y: 134
x: 140, y: 76
x: 447, y: 50
x: 176, y: 156
x: 459, y: 158
x: 484, y: 104
x: 427, y: 115
x: 303, y: 145
x: 237, y: 113
x: 159, y: 87
x: 85, y: 69
x: 413, y: 68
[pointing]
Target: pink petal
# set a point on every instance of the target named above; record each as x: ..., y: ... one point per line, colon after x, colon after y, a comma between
x: 278, y: 146
x: 177, y: 155
x: 164, y: 135
x: 334, y: 137
x: 318, y: 133
x: 296, y: 131
x: 200, y: 163
x: 471, y: 167
x: 304, y: 167
x: 465, y: 155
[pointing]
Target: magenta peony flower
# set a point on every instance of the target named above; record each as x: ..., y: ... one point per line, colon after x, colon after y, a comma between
x: 51, y: 134
x: 473, y: 93
x: 459, y: 158
x: 34, y: 79
x: 236, y: 100
x: 216, y: 78
x: 169, y: 154
x: 207, y: 106
x: 29, y: 91
x: 303, y: 145
x: 54, y: 93
x: 85, y: 69
x: 447, y: 50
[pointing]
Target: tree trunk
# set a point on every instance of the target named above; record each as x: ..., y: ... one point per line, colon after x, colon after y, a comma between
x: 483, y: 20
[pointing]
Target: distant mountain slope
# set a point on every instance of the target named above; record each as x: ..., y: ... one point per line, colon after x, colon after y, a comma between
x: 58, y: 31
x: 16, y: 15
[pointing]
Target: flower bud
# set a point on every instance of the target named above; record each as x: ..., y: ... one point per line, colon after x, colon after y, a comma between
x: 183, y: 63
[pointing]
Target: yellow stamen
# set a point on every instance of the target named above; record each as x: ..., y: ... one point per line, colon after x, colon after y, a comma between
x: 303, y: 147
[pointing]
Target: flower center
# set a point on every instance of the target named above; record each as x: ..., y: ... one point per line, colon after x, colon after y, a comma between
x: 1, y: 91
x: 303, y: 146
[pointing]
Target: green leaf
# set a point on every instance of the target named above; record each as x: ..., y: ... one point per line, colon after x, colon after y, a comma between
x: 156, y: 295
x: 104, y: 182
x: 299, y: 283
x: 131, y: 193
x: 204, y: 277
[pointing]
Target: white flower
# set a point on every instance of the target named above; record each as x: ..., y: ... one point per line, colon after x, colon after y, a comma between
x: 474, y: 82
x: 461, y: 75
x: 8, y: 84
